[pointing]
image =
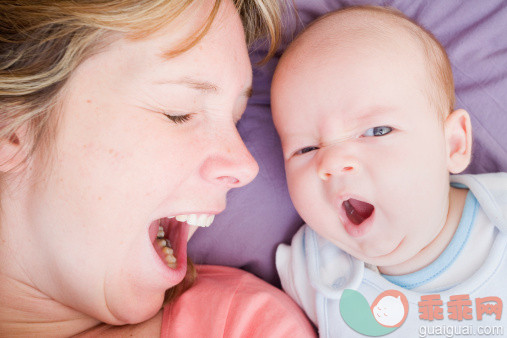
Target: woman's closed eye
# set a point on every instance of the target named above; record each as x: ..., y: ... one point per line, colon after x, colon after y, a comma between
x: 179, y: 118
x: 378, y: 131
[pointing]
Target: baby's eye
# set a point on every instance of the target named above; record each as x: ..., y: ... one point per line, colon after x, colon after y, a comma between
x: 378, y: 131
x: 305, y: 150
x: 179, y: 118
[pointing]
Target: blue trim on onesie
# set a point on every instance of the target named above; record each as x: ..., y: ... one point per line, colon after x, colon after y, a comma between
x: 447, y: 258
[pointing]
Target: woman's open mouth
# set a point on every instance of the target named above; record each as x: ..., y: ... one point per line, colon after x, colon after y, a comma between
x: 359, y: 216
x: 169, y: 236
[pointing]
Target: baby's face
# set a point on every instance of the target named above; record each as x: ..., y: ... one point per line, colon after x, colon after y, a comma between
x: 365, y: 151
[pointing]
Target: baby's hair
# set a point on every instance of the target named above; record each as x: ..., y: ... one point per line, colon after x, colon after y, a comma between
x: 440, y: 88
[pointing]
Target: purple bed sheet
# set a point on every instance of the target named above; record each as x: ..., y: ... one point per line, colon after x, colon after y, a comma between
x: 260, y: 215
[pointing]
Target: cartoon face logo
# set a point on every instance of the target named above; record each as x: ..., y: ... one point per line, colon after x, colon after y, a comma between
x: 386, y: 314
x: 390, y: 308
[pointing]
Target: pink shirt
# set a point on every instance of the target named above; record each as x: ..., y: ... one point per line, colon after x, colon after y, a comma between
x: 227, y: 302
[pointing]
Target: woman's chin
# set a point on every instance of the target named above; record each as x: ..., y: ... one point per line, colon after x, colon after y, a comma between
x: 133, y: 308
x: 136, y: 292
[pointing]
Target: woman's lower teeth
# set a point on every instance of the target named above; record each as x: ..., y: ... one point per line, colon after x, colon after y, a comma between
x: 167, y: 250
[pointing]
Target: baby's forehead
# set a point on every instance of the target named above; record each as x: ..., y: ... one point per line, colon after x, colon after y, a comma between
x: 352, y: 41
x: 354, y: 31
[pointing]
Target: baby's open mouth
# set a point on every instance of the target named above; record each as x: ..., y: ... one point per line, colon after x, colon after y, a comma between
x: 169, y: 233
x: 357, y: 211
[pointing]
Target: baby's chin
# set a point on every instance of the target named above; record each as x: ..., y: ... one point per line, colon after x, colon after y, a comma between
x: 397, y: 263
x: 381, y: 254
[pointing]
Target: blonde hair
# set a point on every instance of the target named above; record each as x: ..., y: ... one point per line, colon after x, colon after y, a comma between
x: 440, y: 87
x: 42, y: 42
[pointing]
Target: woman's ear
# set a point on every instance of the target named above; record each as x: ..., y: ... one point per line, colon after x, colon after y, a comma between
x: 458, y: 135
x: 13, y: 150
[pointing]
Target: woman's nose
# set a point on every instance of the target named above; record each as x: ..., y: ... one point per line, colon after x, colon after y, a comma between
x: 335, y: 162
x: 230, y: 164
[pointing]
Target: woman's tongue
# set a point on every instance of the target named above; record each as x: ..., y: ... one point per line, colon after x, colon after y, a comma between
x: 357, y: 211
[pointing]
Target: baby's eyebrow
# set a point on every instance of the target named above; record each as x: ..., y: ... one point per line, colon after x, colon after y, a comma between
x: 357, y: 117
x: 375, y: 110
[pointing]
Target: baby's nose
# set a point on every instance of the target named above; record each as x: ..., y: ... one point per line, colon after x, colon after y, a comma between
x: 335, y: 162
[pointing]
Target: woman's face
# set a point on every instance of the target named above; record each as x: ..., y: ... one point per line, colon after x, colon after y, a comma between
x: 121, y: 164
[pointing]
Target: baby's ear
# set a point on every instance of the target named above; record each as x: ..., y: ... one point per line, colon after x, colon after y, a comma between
x: 458, y: 135
x: 12, y: 150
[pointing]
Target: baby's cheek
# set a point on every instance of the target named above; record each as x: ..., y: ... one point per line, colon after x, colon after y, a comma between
x: 300, y: 185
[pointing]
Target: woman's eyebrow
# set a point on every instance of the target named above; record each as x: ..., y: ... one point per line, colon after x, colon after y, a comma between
x: 203, y: 86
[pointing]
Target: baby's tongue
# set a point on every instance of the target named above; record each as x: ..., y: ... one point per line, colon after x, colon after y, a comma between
x: 357, y: 211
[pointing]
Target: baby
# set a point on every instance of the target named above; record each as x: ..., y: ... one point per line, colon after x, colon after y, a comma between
x: 363, y: 101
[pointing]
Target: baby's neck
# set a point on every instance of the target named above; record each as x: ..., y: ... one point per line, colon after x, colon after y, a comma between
x: 434, y: 249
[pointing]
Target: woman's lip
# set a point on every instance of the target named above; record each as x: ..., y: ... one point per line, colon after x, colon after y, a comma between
x: 152, y: 232
x: 212, y: 212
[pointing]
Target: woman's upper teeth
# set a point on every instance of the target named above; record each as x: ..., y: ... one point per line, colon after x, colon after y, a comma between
x: 203, y: 220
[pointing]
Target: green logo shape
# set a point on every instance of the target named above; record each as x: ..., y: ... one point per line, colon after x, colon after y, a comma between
x: 356, y: 312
